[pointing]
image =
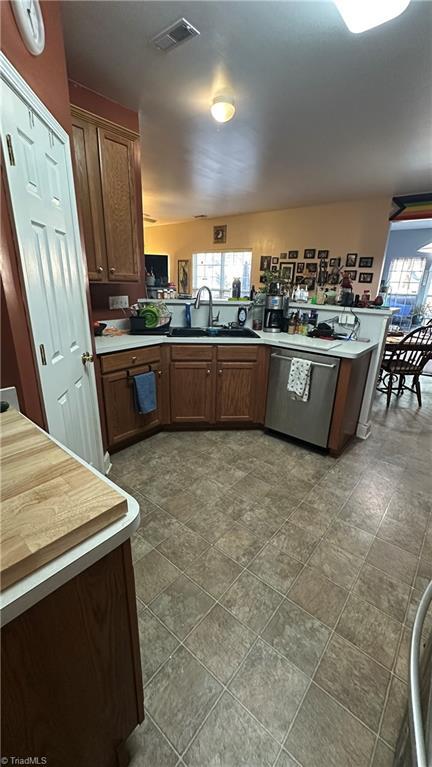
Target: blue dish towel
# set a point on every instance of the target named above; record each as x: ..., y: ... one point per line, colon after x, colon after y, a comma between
x: 145, y: 392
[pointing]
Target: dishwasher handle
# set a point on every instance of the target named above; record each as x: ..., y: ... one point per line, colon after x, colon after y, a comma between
x: 317, y: 364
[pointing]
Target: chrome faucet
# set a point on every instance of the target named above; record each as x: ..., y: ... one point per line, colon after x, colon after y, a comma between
x: 211, y: 320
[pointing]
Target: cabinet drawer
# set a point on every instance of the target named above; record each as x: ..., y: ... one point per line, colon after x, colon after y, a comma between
x: 237, y: 353
x: 190, y: 352
x: 131, y: 358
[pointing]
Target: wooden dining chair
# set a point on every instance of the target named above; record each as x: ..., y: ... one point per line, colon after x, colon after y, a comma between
x: 407, y: 358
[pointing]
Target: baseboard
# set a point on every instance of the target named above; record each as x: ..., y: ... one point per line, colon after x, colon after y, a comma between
x: 107, y: 463
x: 363, y: 430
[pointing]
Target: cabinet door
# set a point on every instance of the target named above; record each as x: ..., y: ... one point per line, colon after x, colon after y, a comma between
x: 235, y: 391
x: 122, y: 420
x: 89, y: 196
x: 119, y: 204
x: 192, y: 392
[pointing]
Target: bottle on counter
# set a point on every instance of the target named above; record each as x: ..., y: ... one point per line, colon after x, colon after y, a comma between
x: 236, y: 287
x: 291, y: 324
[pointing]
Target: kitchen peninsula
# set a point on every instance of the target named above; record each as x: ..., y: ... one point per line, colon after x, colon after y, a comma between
x: 70, y: 648
x: 220, y: 381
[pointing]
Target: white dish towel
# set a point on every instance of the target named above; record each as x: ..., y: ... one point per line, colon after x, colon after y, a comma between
x: 299, y: 379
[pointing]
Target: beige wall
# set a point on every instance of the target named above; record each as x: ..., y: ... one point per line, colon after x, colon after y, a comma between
x: 359, y: 227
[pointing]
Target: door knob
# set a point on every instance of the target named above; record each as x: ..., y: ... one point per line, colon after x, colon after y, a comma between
x: 99, y: 269
x: 208, y: 372
x: 87, y: 357
x: 112, y: 270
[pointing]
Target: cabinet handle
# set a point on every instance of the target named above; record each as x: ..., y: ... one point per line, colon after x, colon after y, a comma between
x: 99, y: 269
x: 220, y: 372
x: 208, y: 372
x: 159, y: 373
x: 112, y: 270
x: 134, y: 359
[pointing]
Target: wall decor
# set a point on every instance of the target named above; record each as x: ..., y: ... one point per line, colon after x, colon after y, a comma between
x: 287, y: 271
x: 265, y: 263
x: 365, y: 276
x: 292, y: 254
x: 183, y: 276
x: 300, y: 279
x: 300, y: 267
x: 262, y: 279
x: 311, y: 268
x: 323, y: 254
x: 412, y: 207
x: 310, y: 253
x: 365, y: 263
x: 334, y: 262
x: 351, y: 259
x: 275, y: 259
x: 219, y: 234
x: 310, y: 283
x: 283, y: 256
x: 352, y: 274
x: 275, y: 268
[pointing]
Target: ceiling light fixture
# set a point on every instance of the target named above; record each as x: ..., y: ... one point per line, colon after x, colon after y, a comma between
x: 360, y: 15
x: 222, y: 109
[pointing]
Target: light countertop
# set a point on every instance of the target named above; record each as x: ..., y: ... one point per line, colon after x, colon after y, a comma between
x: 32, y: 587
x: 336, y: 348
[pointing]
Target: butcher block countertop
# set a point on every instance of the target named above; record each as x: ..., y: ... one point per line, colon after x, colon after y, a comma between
x: 51, y: 501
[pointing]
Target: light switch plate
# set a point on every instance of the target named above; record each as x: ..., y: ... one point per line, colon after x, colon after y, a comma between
x: 118, y: 302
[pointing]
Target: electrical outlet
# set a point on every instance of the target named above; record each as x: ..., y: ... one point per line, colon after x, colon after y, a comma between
x: 118, y: 302
x: 342, y: 319
x: 350, y: 319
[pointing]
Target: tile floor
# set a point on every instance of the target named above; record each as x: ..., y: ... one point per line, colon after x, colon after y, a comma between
x: 276, y: 591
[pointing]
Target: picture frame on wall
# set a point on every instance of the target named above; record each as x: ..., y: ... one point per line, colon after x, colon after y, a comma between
x: 352, y: 274
x: 262, y: 279
x: 275, y: 259
x: 365, y: 277
x: 219, y: 234
x: 275, y: 268
x: 300, y: 267
x: 334, y: 262
x: 311, y: 268
x: 183, y: 276
x: 323, y: 254
x: 365, y: 262
x: 265, y: 263
x: 287, y: 271
x: 310, y: 253
x: 351, y: 259
x: 293, y: 254
x: 283, y: 256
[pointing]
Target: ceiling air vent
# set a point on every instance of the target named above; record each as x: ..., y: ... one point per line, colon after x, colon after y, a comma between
x: 174, y: 35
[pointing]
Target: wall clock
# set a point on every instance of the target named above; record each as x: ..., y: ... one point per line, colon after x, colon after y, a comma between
x: 28, y: 16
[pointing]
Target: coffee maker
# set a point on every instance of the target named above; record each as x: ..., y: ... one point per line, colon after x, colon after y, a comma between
x: 273, y: 313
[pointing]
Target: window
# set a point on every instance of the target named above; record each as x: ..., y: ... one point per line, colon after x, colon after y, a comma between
x: 405, y: 275
x: 217, y: 270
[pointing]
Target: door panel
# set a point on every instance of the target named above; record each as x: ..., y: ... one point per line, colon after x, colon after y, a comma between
x: 123, y: 421
x: 235, y: 399
x: 88, y: 184
x: 44, y: 208
x: 119, y: 204
x: 192, y: 392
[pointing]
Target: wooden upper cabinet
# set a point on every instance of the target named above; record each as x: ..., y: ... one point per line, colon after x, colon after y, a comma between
x: 119, y: 202
x: 106, y: 159
x: 87, y: 180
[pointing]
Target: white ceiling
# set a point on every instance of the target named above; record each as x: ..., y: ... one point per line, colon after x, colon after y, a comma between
x: 322, y: 114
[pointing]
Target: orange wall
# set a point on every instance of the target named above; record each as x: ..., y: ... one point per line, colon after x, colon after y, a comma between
x: 358, y: 227
x: 46, y: 74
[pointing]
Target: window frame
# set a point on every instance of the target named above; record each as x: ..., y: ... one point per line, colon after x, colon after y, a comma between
x: 222, y: 253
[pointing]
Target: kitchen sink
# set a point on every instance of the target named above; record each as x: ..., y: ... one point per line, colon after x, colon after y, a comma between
x: 212, y: 333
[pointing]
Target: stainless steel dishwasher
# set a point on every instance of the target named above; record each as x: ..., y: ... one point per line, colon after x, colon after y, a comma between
x: 309, y: 420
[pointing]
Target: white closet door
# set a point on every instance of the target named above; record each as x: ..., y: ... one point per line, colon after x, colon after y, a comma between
x: 38, y: 167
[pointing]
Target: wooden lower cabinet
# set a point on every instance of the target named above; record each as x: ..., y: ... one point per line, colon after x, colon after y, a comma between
x: 235, y: 392
x: 71, y: 673
x: 192, y: 392
x: 123, y: 423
